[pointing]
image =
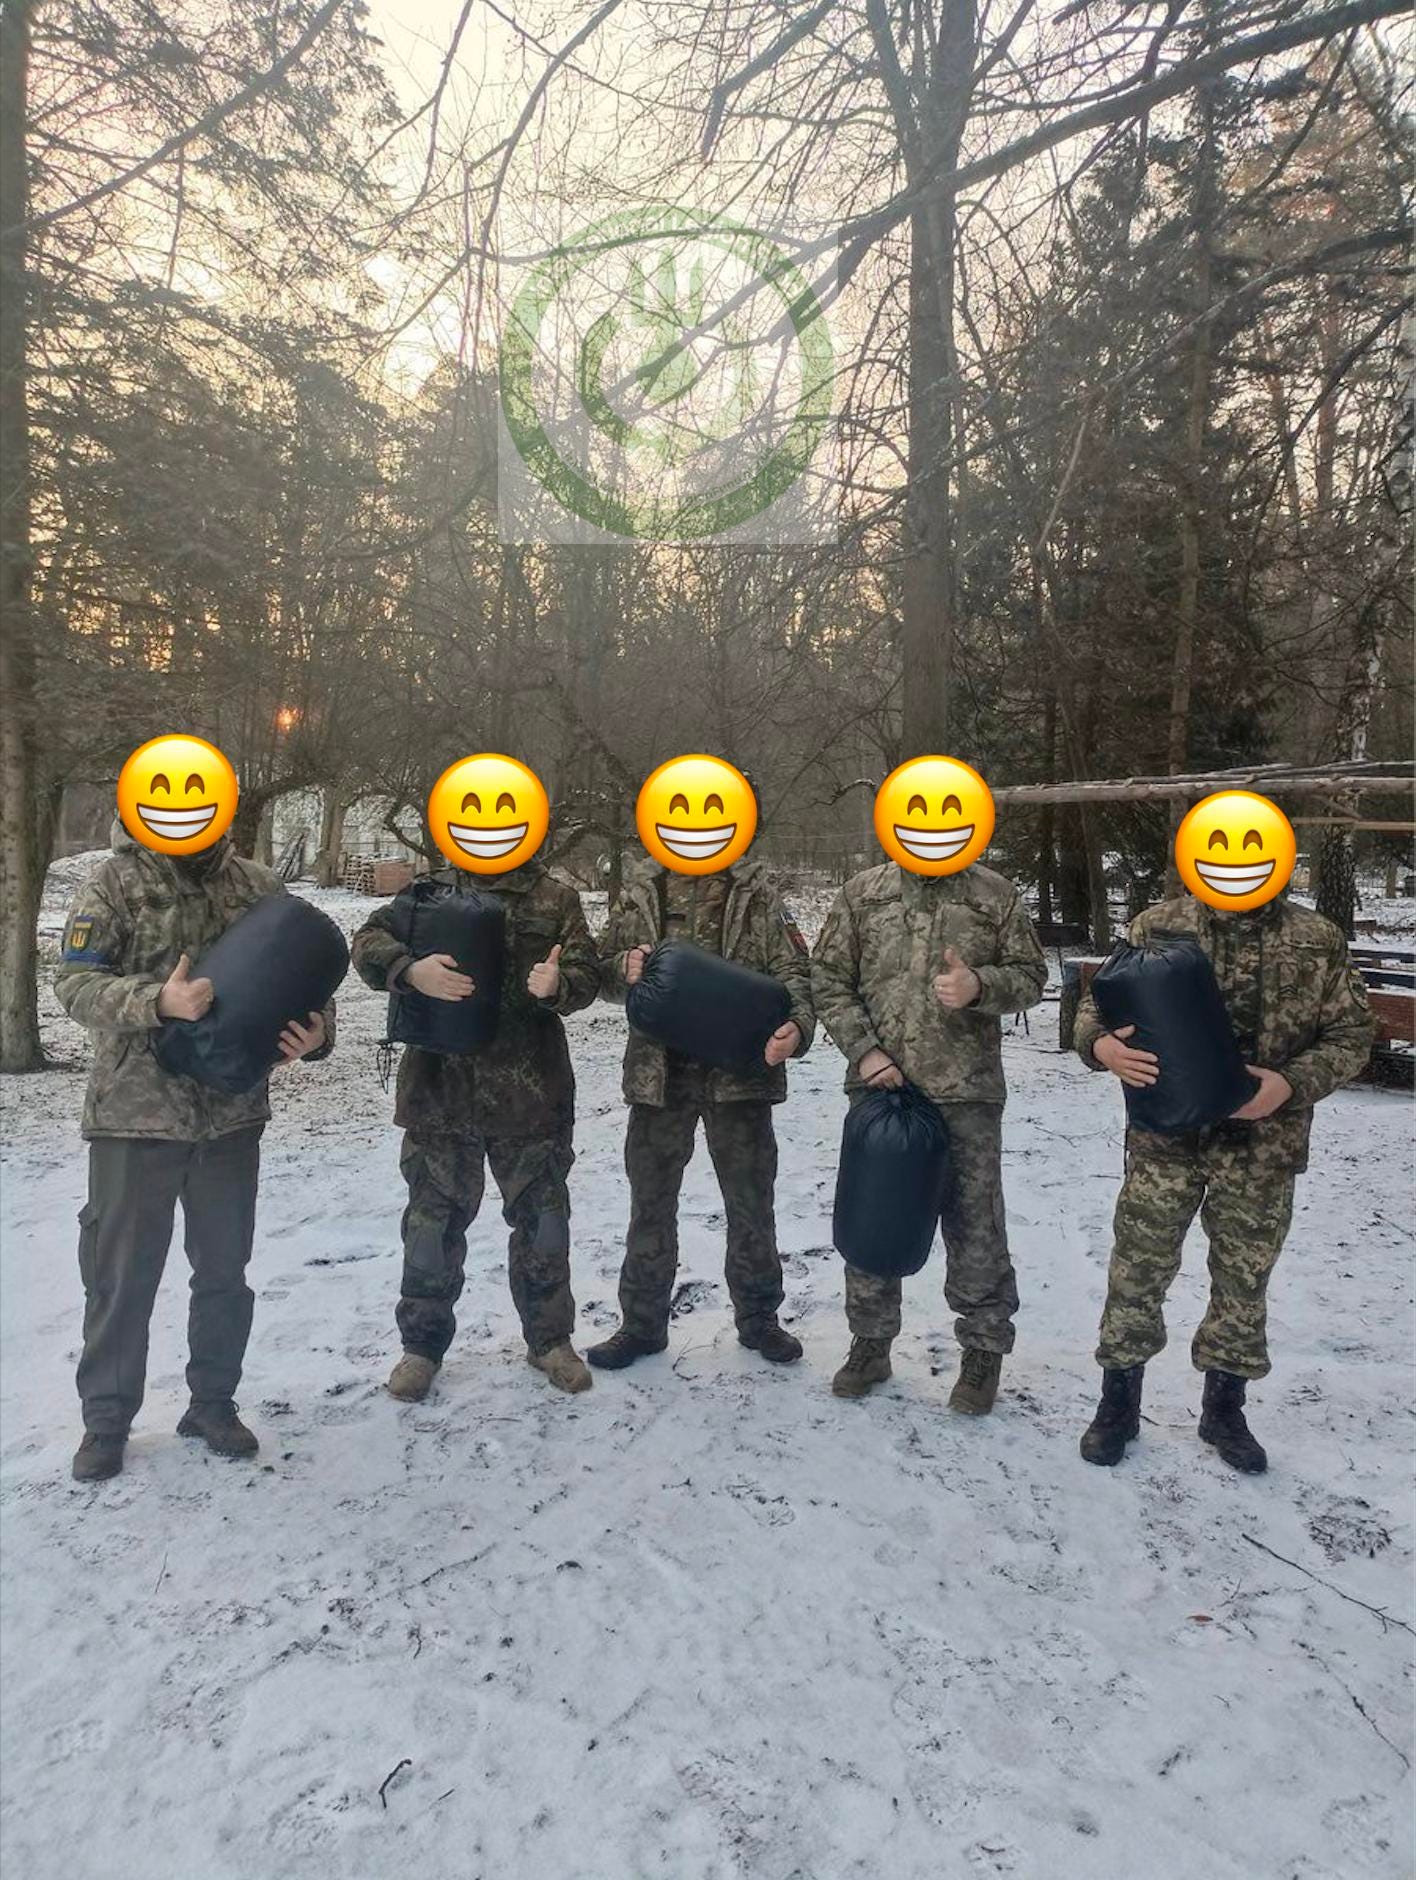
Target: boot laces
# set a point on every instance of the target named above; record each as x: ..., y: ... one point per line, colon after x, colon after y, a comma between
x: 863, y: 1351
x: 976, y: 1365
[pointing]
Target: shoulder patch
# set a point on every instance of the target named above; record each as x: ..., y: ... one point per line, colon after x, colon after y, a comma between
x: 84, y: 944
x: 794, y: 933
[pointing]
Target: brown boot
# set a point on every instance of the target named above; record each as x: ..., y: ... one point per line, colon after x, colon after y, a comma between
x: 774, y: 1341
x: 411, y: 1378
x: 563, y: 1365
x: 220, y: 1429
x: 623, y: 1347
x: 98, y: 1457
x: 977, y: 1387
x: 867, y: 1365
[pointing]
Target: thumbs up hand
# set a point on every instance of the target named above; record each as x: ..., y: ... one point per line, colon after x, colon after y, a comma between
x: 958, y: 985
x: 543, y: 980
x: 182, y: 996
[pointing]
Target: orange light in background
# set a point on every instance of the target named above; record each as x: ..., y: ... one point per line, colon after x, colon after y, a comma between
x: 287, y: 718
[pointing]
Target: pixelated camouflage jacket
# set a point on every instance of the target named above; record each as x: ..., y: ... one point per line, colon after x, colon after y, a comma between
x: 1297, y: 1002
x: 521, y: 1084
x: 757, y: 931
x: 874, y: 964
x: 133, y: 919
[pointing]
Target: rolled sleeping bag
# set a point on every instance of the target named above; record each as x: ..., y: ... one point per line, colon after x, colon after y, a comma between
x: 469, y: 924
x: 1168, y: 991
x: 281, y: 960
x: 891, y: 1182
x: 705, y: 1007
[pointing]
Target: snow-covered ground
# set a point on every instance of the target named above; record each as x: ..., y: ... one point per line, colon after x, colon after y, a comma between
x: 707, y: 1621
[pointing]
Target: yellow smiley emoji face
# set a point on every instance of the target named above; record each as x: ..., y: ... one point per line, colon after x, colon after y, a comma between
x: 177, y: 795
x: 488, y: 813
x: 696, y: 814
x: 934, y: 815
x: 1235, y: 850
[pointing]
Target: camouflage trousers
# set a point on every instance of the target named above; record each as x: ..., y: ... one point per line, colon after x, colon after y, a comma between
x: 979, y: 1282
x: 657, y: 1149
x: 446, y: 1178
x: 1244, y: 1197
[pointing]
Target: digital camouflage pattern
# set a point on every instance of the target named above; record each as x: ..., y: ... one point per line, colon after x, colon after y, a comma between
x: 446, y: 1177
x: 736, y: 912
x: 1244, y: 1198
x: 1296, y: 1001
x: 1299, y: 1006
x: 133, y: 919
x: 657, y: 1149
x: 979, y: 1282
x: 874, y: 964
x: 521, y: 1084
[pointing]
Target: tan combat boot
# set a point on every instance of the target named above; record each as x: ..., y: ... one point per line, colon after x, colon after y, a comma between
x: 978, y: 1382
x: 411, y: 1378
x: 867, y: 1365
x: 563, y: 1365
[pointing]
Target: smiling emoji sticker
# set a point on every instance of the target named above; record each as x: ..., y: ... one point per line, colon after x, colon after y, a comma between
x: 934, y: 815
x: 696, y: 814
x: 1235, y: 850
x: 177, y: 795
x: 488, y: 813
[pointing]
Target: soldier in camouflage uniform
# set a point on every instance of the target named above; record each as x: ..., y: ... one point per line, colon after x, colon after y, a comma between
x: 1300, y: 1012
x: 511, y: 1104
x: 911, y: 974
x: 155, y: 1137
x: 738, y: 914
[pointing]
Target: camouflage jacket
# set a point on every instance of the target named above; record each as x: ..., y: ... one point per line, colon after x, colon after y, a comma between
x: 756, y: 930
x: 1296, y: 1001
x: 134, y: 918
x: 521, y: 1084
x: 875, y: 961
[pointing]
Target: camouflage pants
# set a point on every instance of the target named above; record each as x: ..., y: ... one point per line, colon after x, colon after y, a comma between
x: 1245, y: 1204
x: 446, y: 1178
x: 979, y: 1282
x: 657, y: 1149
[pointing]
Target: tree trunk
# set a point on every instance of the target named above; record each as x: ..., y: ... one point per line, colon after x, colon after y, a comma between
x: 1187, y: 602
x: 331, y: 839
x: 25, y: 828
x: 930, y: 108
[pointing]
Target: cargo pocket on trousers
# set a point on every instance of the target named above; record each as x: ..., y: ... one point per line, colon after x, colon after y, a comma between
x: 88, y: 1245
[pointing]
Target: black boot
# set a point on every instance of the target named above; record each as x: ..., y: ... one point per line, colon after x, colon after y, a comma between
x: 772, y: 1340
x: 1222, y: 1423
x: 1118, y: 1417
x: 623, y: 1347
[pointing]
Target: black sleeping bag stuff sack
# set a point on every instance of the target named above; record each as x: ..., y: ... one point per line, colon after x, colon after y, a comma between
x: 281, y: 959
x: 891, y: 1182
x: 705, y: 1007
x: 470, y: 924
x: 1168, y: 991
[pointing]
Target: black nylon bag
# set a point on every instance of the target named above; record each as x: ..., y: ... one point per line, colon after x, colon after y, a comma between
x: 891, y: 1182
x: 1168, y: 991
x: 705, y: 1007
x: 281, y: 959
x: 470, y: 924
